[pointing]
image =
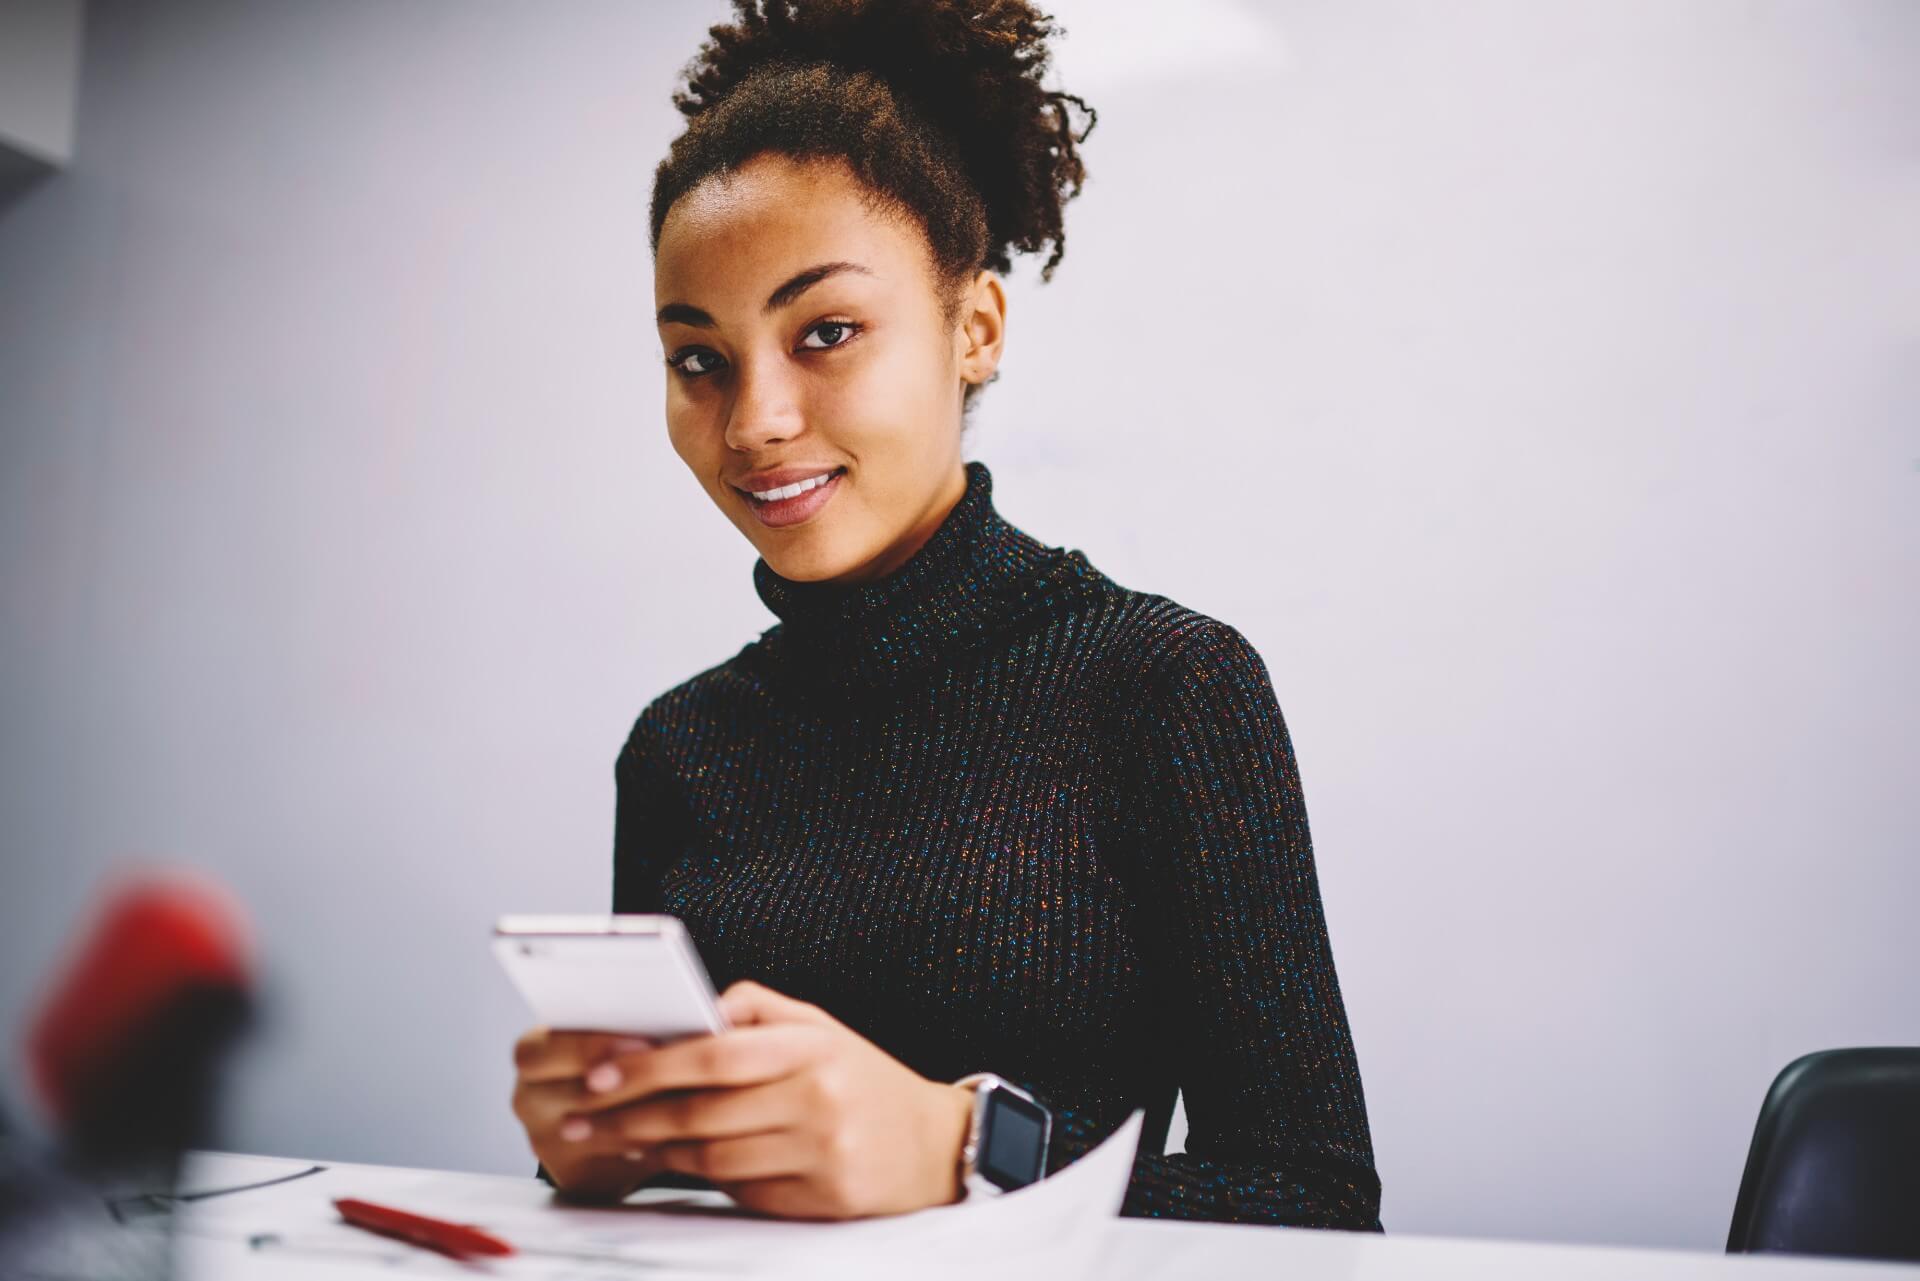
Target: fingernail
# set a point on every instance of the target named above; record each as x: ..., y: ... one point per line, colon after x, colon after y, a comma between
x: 603, y: 1078
x: 575, y: 1128
x: 634, y: 1154
x: 629, y: 1044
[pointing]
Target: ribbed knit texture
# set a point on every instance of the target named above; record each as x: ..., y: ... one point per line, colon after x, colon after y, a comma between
x: 996, y: 812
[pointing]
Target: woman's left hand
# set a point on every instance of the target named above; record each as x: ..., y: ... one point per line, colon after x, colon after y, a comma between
x: 790, y: 1112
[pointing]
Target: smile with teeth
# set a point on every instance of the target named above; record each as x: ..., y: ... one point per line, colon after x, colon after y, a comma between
x: 796, y: 489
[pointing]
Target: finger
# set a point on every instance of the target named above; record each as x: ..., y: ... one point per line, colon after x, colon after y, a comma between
x: 543, y: 1105
x: 740, y: 1157
x: 548, y: 1054
x: 746, y: 1003
x: 531, y: 1048
x: 742, y: 1056
x: 683, y: 1115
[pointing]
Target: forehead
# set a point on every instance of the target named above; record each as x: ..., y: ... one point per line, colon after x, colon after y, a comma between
x: 772, y: 216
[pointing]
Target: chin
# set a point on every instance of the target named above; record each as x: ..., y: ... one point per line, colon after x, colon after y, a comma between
x: 806, y: 564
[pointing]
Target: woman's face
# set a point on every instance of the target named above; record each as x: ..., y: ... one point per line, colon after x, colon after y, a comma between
x: 804, y: 337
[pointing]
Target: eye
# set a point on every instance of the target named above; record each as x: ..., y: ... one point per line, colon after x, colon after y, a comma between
x: 835, y: 327
x: 678, y: 361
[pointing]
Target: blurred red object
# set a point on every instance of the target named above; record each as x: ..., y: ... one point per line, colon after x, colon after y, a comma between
x: 163, y: 943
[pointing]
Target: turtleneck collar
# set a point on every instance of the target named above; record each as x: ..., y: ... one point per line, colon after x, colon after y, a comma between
x: 975, y: 577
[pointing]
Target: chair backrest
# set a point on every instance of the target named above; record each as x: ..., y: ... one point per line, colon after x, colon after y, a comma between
x: 1835, y: 1164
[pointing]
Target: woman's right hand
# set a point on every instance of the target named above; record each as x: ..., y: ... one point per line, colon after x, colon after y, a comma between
x: 550, y: 1080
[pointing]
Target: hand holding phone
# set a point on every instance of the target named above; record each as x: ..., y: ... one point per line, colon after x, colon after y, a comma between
x: 600, y: 986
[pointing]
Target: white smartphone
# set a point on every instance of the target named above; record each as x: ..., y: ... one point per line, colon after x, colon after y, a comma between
x: 635, y: 975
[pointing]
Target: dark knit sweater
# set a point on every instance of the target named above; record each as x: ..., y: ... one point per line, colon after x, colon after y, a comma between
x: 996, y: 812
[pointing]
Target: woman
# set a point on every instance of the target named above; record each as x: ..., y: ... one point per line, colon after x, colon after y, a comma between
x: 970, y: 805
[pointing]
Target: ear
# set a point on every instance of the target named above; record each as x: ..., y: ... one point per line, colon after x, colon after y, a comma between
x: 983, y: 327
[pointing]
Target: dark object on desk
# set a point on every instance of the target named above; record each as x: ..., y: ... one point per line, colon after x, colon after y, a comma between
x: 124, y: 1053
x: 125, y: 1049
x: 1835, y: 1164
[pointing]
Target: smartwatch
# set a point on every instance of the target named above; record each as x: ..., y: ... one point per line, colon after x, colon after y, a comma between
x: 1006, y: 1145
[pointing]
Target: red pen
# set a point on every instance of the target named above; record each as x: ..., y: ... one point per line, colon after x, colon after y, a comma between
x: 456, y: 1239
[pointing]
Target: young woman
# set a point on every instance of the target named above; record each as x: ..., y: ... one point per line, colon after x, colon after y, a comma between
x: 969, y: 806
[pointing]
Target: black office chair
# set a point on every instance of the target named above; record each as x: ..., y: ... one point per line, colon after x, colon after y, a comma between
x: 1835, y: 1164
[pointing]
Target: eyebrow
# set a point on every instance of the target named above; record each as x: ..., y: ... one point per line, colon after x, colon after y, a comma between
x: 681, y: 313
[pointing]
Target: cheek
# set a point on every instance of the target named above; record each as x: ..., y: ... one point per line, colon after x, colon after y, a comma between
x: 687, y: 434
x: 887, y: 402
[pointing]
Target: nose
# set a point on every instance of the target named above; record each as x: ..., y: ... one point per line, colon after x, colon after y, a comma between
x: 766, y: 406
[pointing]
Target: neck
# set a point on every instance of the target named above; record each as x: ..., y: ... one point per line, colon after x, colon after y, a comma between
x: 973, y: 578
x: 903, y: 549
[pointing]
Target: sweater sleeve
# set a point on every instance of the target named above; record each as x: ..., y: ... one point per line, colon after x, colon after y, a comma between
x: 1233, y: 929
x: 650, y: 824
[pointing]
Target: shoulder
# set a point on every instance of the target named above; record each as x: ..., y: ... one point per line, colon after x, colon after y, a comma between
x: 1161, y: 646
x: 685, y: 710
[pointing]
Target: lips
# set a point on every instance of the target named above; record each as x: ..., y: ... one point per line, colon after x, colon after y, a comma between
x: 778, y: 477
x: 800, y: 508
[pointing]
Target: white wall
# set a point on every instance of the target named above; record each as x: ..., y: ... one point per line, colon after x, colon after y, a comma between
x: 1535, y: 385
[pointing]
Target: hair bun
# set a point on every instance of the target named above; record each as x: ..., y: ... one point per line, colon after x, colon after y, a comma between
x: 971, y: 72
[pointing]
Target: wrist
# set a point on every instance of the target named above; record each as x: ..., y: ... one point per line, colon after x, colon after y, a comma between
x: 953, y: 1118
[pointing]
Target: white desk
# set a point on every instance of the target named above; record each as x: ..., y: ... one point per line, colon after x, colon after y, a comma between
x: 1132, y: 1248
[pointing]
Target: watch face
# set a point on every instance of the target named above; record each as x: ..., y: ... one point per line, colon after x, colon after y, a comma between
x: 1014, y: 1150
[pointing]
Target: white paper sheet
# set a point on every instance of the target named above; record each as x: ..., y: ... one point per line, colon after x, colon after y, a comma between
x: 1052, y: 1228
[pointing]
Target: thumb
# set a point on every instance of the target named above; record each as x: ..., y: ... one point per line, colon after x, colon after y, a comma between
x: 747, y: 1002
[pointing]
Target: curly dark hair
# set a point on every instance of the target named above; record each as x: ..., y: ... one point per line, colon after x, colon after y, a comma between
x: 936, y: 105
